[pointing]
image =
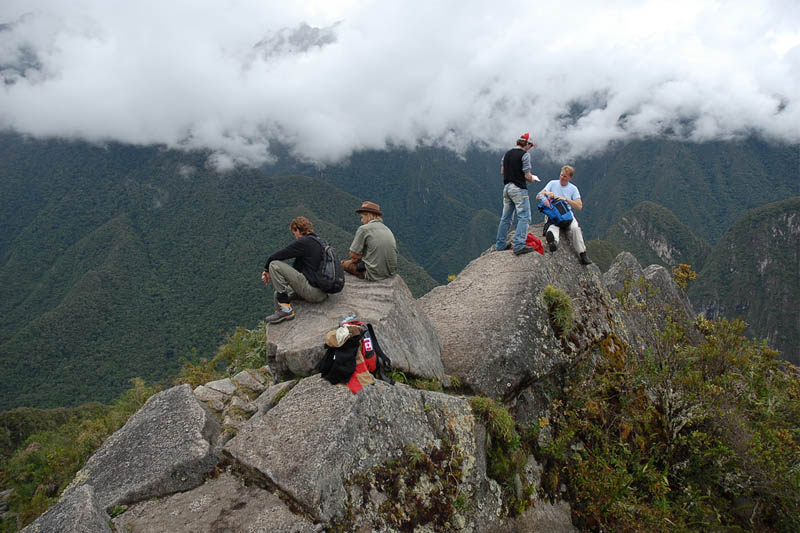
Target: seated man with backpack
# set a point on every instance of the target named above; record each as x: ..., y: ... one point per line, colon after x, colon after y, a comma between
x: 562, y: 193
x: 301, y: 279
x: 373, y: 253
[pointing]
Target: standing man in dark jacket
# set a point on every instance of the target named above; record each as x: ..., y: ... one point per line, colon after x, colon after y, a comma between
x: 300, y: 279
x: 516, y: 170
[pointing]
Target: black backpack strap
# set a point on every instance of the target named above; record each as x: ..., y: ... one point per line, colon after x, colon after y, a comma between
x: 384, y: 364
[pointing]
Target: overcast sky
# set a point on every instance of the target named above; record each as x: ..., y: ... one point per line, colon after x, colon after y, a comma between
x: 328, y: 77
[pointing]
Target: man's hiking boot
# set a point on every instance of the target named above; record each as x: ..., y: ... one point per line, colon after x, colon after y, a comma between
x: 280, y: 315
x: 507, y: 247
x: 523, y: 250
x: 585, y: 259
x: 552, y: 242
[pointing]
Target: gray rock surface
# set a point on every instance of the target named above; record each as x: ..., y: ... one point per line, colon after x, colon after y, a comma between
x: 622, y: 274
x: 643, y: 299
x: 269, y: 397
x: 544, y: 517
x: 167, y: 446
x: 77, y: 512
x: 251, y: 380
x: 321, y: 444
x: 405, y: 333
x: 221, y: 504
x: 495, y: 325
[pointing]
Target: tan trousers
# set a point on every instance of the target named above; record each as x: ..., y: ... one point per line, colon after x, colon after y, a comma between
x: 574, y: 234
x: 288, y: 280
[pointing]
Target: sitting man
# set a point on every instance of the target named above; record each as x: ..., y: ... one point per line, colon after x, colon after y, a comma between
x: 373, y: 253
x: 300, y: 279
x: 562, y: 189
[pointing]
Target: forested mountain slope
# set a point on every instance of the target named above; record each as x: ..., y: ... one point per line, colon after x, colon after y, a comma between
x: 655, y: 235
x: 708, y: 186
x: 754, y: 272
x: 117, y: 261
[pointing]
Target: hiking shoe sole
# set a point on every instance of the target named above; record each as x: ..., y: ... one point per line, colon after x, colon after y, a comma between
x: 523, y: 250
x: 552, y: 242
x: 281, y: 318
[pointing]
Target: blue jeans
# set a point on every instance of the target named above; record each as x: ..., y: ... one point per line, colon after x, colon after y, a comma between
x: 514, y: 200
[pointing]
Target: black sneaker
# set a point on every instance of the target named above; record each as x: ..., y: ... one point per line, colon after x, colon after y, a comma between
x: 523, y: 250
x: 552, y: 242
x: 585, y: 259
x: 280, y: 315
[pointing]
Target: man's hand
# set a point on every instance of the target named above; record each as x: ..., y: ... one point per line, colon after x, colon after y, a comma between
x: 265, y: 277
x: 356, y: 257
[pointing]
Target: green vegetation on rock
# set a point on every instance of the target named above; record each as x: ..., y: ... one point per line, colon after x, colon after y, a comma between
x: 682, y: 438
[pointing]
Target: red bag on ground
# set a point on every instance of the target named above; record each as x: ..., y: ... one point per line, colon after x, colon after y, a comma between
x: 533, y: 241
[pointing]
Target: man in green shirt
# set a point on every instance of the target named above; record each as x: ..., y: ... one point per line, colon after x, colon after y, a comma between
x: 373, y: 253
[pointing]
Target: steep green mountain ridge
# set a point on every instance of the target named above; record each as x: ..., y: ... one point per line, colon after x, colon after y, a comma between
x: 654, y: 235
x: 754, y: 272
x: 707, y: 185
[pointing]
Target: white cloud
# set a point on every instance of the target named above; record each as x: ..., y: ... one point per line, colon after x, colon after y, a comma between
x: 331, y: 77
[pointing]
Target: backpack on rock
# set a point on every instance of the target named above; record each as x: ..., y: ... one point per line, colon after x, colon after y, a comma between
x: 331, y: 275
x: 352, y: 354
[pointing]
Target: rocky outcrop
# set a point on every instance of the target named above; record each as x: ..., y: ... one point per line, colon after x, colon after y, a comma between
x: 79, y: 511
x: 495, y: 325
x: 167, y: 446
x: 224, y: 503
x: 333, y: 464
x: 404, y: 331
x: 643, y: 300
x: 305, y: 455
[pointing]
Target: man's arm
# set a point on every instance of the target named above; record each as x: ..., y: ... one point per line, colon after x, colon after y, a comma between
x: 293, y: 250
x: 527, y: 167
x: 355, y: 257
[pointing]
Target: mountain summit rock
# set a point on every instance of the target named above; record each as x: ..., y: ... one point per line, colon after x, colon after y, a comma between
x: 311, y: 456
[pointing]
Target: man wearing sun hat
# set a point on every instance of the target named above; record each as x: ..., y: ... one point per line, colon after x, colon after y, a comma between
x: 516, y: 170
x: 373, y: 253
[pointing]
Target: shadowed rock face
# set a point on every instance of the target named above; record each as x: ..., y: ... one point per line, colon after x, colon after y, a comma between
x: 221, y: 504
x: 405, y: 333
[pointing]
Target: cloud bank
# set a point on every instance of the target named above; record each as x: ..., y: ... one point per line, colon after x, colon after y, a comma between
x: 327, y: 78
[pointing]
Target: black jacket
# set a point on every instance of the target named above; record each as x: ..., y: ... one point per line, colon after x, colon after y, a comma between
x: 307, y: 254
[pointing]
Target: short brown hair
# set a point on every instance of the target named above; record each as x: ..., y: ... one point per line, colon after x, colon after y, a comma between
x: 569, y: 170
x: 301, y: 224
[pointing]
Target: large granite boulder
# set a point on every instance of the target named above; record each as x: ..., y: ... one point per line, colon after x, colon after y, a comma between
x: 224, y: 503
x: 405, y: 333
x: 643, y: 299
x: 166, y: 447
x: 495, y: 325
x: 344, y: 458
x: 79, y: 511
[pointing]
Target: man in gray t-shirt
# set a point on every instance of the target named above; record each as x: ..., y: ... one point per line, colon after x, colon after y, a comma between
x: 373, y: 253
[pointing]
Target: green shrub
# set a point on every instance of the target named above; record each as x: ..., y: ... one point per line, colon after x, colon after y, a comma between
x: 506, y: 454
x: 560, y: 310
x: 681, y: 438
x: 245, y: 348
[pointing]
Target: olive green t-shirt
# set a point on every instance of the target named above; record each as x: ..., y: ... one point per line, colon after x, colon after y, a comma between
x: 375, y: 242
